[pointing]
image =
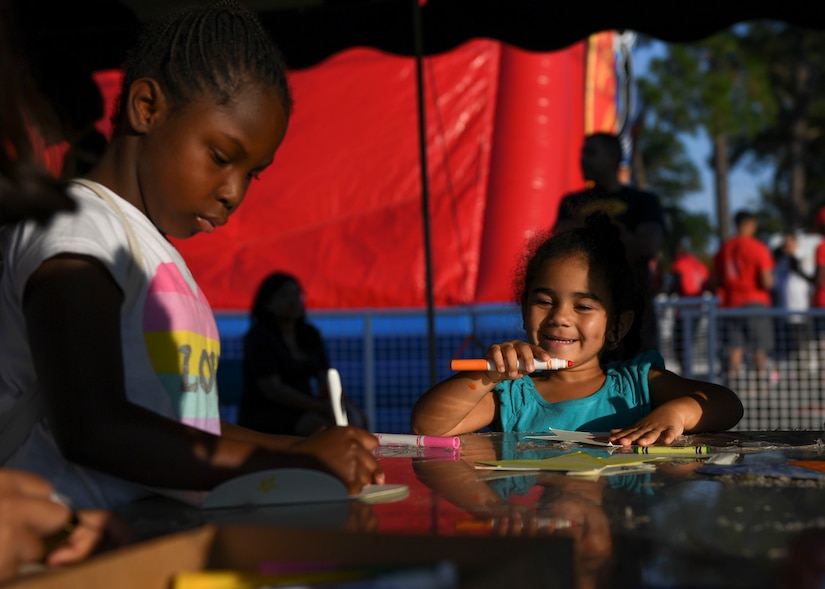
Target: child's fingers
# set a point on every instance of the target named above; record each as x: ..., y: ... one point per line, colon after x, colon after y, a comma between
x: 82, y: 540
x: 20, y: 483
x: 20, y: 545
x: 26, y: 524
x: 645, y: 435
x: 629, y: 436
x: 364, y: 470
x: 511, y: 358
x: 496, y: 355
x: 41, y: 516
x: 506, y: 357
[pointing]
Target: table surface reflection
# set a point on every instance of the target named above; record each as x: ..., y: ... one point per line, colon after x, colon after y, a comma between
x: 673, y: 527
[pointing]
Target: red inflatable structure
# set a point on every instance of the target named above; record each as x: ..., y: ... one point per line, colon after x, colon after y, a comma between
x: 341, y: 205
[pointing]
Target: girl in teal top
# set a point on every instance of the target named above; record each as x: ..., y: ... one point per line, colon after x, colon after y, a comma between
x: 580, y: 301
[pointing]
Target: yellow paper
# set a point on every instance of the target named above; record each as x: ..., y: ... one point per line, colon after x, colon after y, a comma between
x: 575, y: 463
x: 223, y: 579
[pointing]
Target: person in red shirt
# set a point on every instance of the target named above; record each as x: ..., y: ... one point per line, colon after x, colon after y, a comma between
x: 743, y: 272
x: 690, y: 274
x: 818, y: 299
x: 819, y: 277
x: 689, y: 278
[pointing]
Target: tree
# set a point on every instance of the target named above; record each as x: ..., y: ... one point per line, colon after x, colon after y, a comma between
x: 795, y: 63
x: 714, y: 86
x: 662, y: 164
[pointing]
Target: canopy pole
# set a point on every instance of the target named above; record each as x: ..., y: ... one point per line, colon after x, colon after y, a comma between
x: 418, y: 33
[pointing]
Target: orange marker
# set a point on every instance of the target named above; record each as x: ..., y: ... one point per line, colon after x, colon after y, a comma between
x: 482, y: 364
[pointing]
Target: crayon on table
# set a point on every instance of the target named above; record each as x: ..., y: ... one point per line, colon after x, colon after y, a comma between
x: 672, y: 450
x: 484, y: 364
x: 414, y: 440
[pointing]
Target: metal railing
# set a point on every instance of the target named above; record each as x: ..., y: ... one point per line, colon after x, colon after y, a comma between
x: 383, y: 356
x: 784, y: 394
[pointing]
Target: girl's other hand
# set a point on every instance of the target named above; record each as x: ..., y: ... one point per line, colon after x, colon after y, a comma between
x: 661, y: 426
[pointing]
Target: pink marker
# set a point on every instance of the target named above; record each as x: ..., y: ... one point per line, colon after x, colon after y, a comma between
x: 483, y: 364
x: 414, y: 440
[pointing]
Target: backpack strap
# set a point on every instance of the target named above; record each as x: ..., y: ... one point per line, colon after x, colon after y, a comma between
x: 134, y: 248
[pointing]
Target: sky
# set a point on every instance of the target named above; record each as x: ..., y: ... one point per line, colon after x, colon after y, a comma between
x: 743, y: 181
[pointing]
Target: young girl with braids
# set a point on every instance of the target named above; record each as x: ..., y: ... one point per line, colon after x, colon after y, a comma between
x: 100, y: 313
x: 579, y: 302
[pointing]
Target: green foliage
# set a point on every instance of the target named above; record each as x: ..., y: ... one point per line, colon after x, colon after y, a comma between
x: 718, y: 88
x: 670, y: 171
x: 794, y: 140
x: 760, y: 86
x: 714, y: 85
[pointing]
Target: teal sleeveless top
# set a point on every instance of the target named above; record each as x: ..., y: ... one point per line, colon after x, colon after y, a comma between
x: 621, y: 401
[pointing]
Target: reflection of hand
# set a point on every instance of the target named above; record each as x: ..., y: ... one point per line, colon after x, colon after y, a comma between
x: 581, y: 501
x: 361, y: 518
x: 345, y: 452
x: 520, y: 520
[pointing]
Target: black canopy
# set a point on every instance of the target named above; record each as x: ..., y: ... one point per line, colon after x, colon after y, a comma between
x: 307, y: 31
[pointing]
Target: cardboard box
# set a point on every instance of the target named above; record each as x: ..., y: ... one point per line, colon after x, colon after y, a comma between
x: 482, y: 561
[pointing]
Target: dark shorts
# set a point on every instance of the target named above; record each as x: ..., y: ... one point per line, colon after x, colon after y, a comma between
x: 754, y: 330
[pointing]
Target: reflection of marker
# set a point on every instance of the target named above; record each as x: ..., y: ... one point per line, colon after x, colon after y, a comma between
x: 547, y: 524
x: 482, y: 364
x: 677, y: 450
x: 414, y: 440
x: 428, y: 452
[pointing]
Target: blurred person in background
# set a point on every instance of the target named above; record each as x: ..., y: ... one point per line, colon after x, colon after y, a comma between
x: 689, y: 279
x: 743, y: 275
x: 819, y: 293
x: 285, y: 365
x: 793, y: 290
x: 638, y: 213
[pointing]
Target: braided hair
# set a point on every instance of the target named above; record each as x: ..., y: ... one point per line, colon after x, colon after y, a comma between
x: 599, y: 242
x: 214, y: 49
